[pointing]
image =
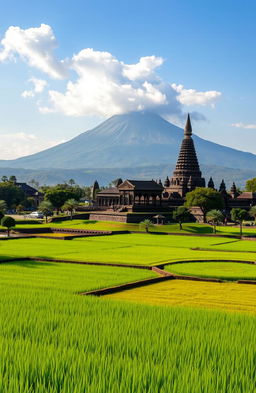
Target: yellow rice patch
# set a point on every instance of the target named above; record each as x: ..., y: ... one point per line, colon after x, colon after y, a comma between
x: 218, y: 296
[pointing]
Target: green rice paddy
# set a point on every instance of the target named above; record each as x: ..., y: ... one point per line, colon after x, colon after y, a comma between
x: 139, y: 249
x: 222, y: 270
x: 165, y: 338
x: 54, y: 341
x: 192, y: 228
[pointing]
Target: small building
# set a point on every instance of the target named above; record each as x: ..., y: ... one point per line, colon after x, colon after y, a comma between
x: 131, y: 194
x: 31, y: 192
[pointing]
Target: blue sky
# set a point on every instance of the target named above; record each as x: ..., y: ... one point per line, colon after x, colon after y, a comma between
x: 197, y: 57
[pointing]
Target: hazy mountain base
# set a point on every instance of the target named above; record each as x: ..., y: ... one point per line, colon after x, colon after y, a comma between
x: 130, y: 141
x: 104, y: 176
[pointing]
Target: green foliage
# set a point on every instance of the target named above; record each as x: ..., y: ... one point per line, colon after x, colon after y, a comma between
x: 181, y: 214
x: 8, y: 222
x: 146, y: 225
x: 46, y: 208
x: 3, y: 206
x: 215, y: 217
x: 252, y: 212
x: 12, y: 179
x: 70, y: 205
x: 205, y: 198
x: 251, y: 185
x: 11, y: 194
x: 54, y: 341
x: 239, y: 215
x: 59, y: 194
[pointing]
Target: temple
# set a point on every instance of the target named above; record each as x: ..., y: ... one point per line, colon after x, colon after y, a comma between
x: 151, y: 195
x: 187, y: 175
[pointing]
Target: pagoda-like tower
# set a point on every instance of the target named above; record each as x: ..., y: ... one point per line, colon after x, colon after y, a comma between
x: 187, y: 175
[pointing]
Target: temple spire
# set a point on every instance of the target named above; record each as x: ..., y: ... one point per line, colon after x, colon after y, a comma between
x: 188, y: 128
x: 187, y: 175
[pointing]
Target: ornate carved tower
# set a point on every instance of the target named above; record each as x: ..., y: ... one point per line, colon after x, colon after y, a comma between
x: 187, y: 175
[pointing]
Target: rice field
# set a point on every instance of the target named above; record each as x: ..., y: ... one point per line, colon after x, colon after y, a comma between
x: 54, y: 341
x: 139, y: 249
x: 222, y: 270
x: 193, y: 228
x: 202, y: 295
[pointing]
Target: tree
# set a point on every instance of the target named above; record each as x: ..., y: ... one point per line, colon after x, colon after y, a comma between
x: 46, y: 208
x: 146, y: 224
x: 9, y: 223
x: 239, y: 215
x: 59, y: 194
x: 12, y: 179
x: 70, y: 205
x: 215, y: 217
x: 252, y: 212
x: 11, y: 194
x: 251, y: 185
x: 71, y: 182
x: 4, y: 179
x: 181, y: 214
x: 204, y: 198
x: 3, y: 206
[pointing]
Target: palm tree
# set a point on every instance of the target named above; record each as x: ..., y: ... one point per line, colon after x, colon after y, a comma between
x: 3, y: 206
x: 46, y: 208
x: 215, y: 217
x: 146, y: 224
x: 239, y: 215
x: 70, y: 205
x: 252, y: 212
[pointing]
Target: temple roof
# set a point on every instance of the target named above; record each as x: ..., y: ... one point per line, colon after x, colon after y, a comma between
x: 142, y: 185
x: 110, y: 190
x: 247, y: 195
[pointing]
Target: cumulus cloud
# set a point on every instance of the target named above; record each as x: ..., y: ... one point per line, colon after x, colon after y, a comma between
x: 39, y: 86
x: 35, y: 46
x: 106, y: 86
x: 22, y: 144
x: 100, y: 83
x: 246, y: 126
x: 193, y: 97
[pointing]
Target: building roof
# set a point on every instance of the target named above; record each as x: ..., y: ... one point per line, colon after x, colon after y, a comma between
x: 28, y: 190
x: 144, y: 185
x: 247, y: 195
x: 111, y: 190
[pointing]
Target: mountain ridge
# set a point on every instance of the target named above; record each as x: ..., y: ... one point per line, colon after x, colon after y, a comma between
x: 136, y: 139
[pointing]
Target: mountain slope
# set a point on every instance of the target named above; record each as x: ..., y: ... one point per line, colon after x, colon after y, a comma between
x: 130, y: 140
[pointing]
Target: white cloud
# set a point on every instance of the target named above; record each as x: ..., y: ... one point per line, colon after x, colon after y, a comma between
x: 102, y: 84
x: 35, y: 46
x: 143, y: 69
x: 39, y: 86
x: 193, y: 97
x: 22, y: 144
x: 244, y: 125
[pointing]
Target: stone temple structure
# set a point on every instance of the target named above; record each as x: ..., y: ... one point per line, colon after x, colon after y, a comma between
x: 187, y: 175
x: 151, y: 195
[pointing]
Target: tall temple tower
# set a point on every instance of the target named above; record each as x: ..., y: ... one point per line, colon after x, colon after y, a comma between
x: 187, y: 175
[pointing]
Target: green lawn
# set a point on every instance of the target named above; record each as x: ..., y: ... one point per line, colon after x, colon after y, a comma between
x: 223, y: 270
x: 54, y: 341
x: 141, y: 249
